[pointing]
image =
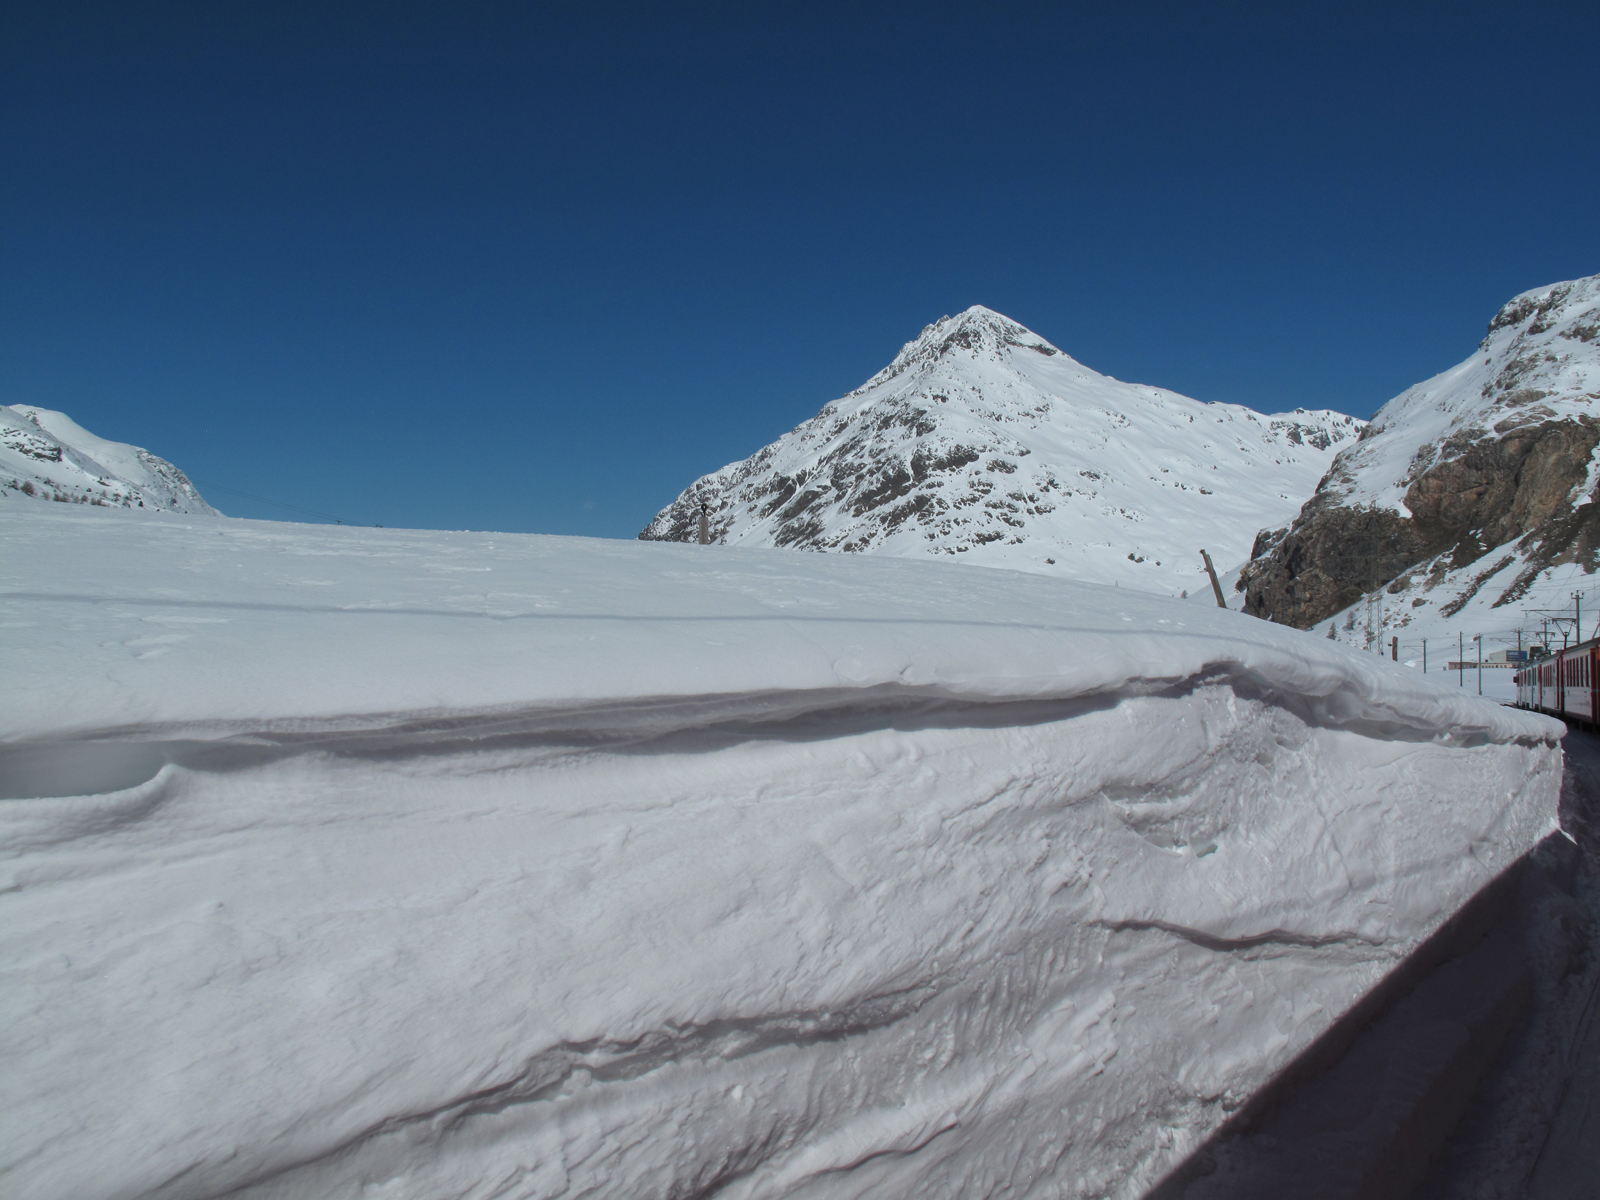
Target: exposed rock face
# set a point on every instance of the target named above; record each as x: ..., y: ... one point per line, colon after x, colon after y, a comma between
x: 1497, y: 453
x: 984, y: 443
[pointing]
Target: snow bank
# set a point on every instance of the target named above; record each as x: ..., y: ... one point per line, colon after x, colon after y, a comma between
x: 364, y: 862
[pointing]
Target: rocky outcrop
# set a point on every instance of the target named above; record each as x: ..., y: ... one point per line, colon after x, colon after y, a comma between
x: 1488, y: 467
x: 1497, y: 492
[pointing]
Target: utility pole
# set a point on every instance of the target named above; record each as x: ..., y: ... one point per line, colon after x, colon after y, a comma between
x: 1216, y: 588
x: 1577, y: 615
x: 1479, y: 639
x: 1394, y: 649
x: 705, y: 526
x: 1461, y: 660
x: 1424, y: 656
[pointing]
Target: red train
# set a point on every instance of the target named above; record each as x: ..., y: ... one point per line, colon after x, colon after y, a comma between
x: 1565, y: 685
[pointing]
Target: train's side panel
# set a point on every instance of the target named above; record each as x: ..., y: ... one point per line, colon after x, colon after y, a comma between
x: 1540, y: 685
x: 1591, y: 689
x: 1577, y: 691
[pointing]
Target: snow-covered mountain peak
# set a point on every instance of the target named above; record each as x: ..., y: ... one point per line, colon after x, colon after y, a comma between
x: 978, y: 334
x: 1556, y: 304
x: 983, y: 440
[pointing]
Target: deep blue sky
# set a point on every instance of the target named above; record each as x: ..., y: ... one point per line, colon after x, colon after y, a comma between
x: 538, y: 266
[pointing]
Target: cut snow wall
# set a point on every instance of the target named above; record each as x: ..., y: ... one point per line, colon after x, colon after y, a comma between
x: 997, y: 882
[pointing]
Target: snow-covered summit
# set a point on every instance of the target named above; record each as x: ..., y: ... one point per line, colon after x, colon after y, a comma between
x: 983, y: 441
x: 979, y: 330
x: 46, y: 455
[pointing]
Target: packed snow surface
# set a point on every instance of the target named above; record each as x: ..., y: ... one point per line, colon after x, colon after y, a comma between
x: 346, y: 862
x: 983, y: 442
x: 46, y: 455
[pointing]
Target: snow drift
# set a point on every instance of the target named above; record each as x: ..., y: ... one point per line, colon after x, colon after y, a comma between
x: 352, y: 862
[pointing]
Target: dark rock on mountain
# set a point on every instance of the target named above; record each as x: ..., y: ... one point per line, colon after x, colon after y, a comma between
x: 1497, y: 454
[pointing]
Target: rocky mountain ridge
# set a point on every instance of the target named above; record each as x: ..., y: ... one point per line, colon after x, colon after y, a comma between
x: 982, y: 442
x: 45, y: 455
x: 1471, y: 486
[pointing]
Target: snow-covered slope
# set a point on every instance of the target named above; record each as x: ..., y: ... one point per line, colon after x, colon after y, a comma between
x: 1539, y: 362
x: 982, y: 440
x: 350, y: 862
x: 1469, y: 503
x: 46, y: 455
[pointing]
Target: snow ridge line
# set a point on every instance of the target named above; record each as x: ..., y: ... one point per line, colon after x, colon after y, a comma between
x: 132, y: 754
x: 1271, y: 937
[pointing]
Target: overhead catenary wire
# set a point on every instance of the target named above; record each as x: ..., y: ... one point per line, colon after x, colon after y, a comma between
x: 217, y: 487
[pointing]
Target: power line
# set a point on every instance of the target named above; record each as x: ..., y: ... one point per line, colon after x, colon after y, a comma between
x: 217, y: 487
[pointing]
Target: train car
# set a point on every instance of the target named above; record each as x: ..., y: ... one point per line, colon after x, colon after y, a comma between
x: 1578, y: 683
x: 1565, y: 685
x: 1527, y: 681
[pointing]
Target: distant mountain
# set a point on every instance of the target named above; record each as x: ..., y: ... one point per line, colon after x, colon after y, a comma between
x: 46, y: 455
x: 1476, y: 488
x: 983, y: 443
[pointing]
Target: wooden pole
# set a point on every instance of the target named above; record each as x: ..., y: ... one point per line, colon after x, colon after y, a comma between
x: 1216, y: 587
x: 705, y: 526
x: 1394, y: 649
